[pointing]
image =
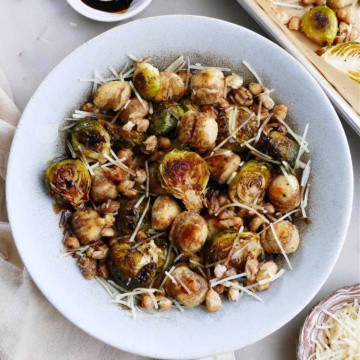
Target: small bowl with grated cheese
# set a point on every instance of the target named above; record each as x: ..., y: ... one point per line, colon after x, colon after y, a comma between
x: 332, y: 330
x: 191, y: 182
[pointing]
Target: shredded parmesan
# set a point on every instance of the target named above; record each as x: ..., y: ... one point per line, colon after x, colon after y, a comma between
x: 289, y: 5
x: 201, y: 67
x: 280, y: 246
x: 231, y: 177
x: 137, y: 228
x: 247, y: 207
x: 251, y: 69
x: 137, y: 94
x: 147, y: 178
x: 301, y: 150
x: 215, y: 282
x: 176, y: 65
x: 139, y: 202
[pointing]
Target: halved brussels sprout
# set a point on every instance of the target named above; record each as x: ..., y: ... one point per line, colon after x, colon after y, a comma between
x: 247, y: 246
x: 132, y: 266
x: 128, y: 216
x: 250, y: 183
x: 147, y: 80
x: 129, y: 139
x: 92, y: 138
x: 188, y: 105
x: 185, y: 175
x: 345, y: 58
x: 165, y: 118
x: 320, y: 25
x: 69, y: 180
x: 279, y: 146
x: 230, y: 120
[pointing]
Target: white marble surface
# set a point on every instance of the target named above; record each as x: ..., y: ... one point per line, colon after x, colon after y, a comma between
x: 36, y: 34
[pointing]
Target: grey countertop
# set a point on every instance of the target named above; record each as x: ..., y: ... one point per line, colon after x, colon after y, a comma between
x: 36, y: 34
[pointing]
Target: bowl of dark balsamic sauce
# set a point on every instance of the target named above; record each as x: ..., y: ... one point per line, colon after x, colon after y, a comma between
x: 109, y: 10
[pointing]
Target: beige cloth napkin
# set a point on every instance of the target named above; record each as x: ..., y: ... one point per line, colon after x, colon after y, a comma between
x: 30, y: 327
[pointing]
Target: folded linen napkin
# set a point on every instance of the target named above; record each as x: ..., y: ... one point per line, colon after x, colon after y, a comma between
x: 30, y: 327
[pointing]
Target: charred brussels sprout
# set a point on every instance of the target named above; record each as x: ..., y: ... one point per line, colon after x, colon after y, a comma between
x: 128, y: 217
x: 320, y: 25
x: 69, y: 180
x: 250, y: 183
x: 230, y: 120
x: 133, y: 266
x: 165, y: 118
x: 279, y: 146
x: 129, y: 139
x: 188, y: 105
x: 91, y: 138
x: 243, y: 246
x: 147, y: 80
x: 185, y: 175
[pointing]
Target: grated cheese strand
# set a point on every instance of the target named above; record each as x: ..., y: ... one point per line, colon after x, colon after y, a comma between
x: 280, y: 246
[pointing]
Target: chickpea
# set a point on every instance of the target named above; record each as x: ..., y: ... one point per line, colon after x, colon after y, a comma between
x: 195, y: 284
x: 164, y: 212
x: 102, y: 270
x: 222, y: 165
x: 256, y: 88
x: 115, y: 173
x: 267, y: 101
x: 233, y: 82
x: 251, y: 269
x: 234, y: 292
x: 189, y: 231
x: 90, y: 107
x: 127, y: 155
x: 142, y: 125
x: 134, y: 110
x: 207, y: 86
x: 164, y: 142
x: 140, y: 176
x: 219, y: 271
x: 112, y: 95
x: 87, y: 225
x: 347, y: 14
x: 243, y: 96
x: 287, y: 234
x: 72, y: 243
x: 147, y: 302
x: 219, y: 288
x: 172, y: 88
x: 198, y: 129
x: 102, y: 188
x: 280, y: 111
x: 294, y: 23
x: 128, y: 126
x: 165, y: 303
x: 266, y: 271
x: 150, y: 145
x: 125, y: 185
x: 335, y: 4
x: 284, y: 193
x: 97, y: 252
x: 308, y: 2
x: 213, y: 301
x: 255, y: 223
x: 88, y: 267
x: 109, y: 207
x: 269, y: 208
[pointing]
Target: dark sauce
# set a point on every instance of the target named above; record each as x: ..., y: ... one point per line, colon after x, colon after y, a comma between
x: 109, y: 6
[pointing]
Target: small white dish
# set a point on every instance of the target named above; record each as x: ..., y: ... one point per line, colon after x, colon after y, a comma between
x: 195, y: 333
x: 135, y: 8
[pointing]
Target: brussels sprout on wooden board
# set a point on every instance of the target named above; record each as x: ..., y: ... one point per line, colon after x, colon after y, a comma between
x: 182, y: 186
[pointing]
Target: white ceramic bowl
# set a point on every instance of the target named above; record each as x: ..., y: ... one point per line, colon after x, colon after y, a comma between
x: 135, y: 8
x: 196, y: 333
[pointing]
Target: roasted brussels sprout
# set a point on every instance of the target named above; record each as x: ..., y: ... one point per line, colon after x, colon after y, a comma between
x: 185, y: 175
x: 134, y: 110
x: 199, y: 130
x: 164, y: 212
x: 279, y: 146
x: 165, y: 118
x: 134, y: 267
x: 284, y: 193
x: 91, y: 138
x: 188, y: 105
x: 69, y: 180
x: 207, y: 86
x: 147, y: 80
x: 190, y: 288
x: 230, y: 120
x: 129, y: 139
x: 243, y: 246
x: 172, y: 87
x: 112, y: 95
x: 250, y: 183
x: 87, y: 225
x: 222, y: 165
x: 288, y: 236
x: 189, y: 232
x: 128, y: 216
x: 320, y: 25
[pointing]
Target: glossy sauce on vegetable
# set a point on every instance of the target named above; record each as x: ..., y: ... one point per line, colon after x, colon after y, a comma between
x: 109, y: 6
